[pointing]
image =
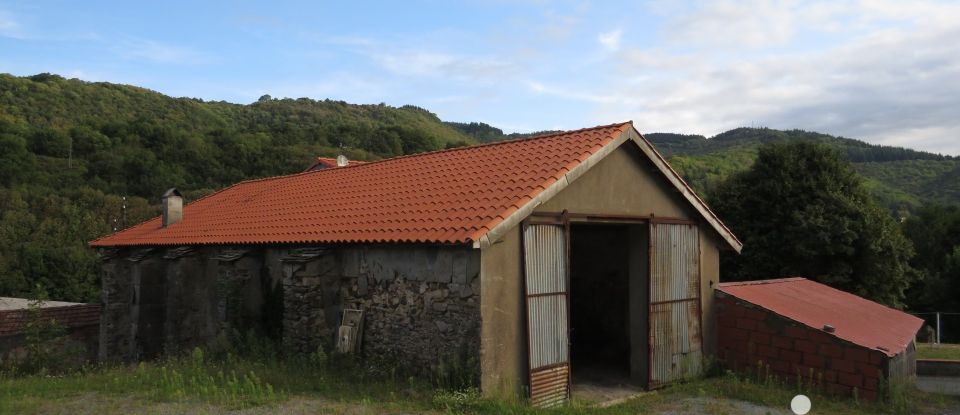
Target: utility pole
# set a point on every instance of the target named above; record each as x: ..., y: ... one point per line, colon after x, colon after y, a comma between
x: 938, y: 327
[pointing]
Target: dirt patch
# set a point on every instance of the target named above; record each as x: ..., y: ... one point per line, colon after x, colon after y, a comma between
x: 715, y: 406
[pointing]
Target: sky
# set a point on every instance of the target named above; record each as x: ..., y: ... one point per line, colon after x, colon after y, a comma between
x: 886, y: 72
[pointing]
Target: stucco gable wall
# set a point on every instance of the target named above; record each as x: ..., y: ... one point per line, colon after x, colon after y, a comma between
x: 625, y: 182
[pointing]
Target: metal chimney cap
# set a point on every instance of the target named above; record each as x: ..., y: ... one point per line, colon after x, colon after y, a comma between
x: 828, y: 328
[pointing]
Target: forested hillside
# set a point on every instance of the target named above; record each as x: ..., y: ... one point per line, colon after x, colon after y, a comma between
x: 80, y: 159
x: 71, y: 151
x: 901, y: 179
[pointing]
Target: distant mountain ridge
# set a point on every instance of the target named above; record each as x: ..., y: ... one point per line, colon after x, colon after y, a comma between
x: 901, y: 178
x: 80, y: 159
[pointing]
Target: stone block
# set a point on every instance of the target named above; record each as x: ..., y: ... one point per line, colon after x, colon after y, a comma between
x: 350, y: 262
x: 459, y: 267
x: 443, y: 267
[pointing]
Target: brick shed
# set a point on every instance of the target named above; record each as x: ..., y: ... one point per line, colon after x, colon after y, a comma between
x: 81, y: 323
x: 794, y: 326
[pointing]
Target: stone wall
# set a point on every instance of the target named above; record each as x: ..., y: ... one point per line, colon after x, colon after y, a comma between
x: 166, y: 300
x: 311, y: 280
x: 422, y: 307
x: 420, y: 302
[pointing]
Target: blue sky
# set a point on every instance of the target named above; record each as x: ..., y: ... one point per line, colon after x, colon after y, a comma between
x: 882, y: 71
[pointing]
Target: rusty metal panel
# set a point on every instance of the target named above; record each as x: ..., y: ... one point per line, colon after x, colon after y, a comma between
x: 550, y: 387
x: 545, y: 278
x: 675, y: 327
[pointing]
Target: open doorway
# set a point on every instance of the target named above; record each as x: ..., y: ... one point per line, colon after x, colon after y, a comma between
x: 608, y: 306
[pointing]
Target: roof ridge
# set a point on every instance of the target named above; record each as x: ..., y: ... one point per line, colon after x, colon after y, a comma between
x: 370, y: 163
x: 495, y: 143
x: 759, y: 282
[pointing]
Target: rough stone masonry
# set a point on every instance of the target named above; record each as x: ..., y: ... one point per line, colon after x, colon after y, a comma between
x: 421, y: 302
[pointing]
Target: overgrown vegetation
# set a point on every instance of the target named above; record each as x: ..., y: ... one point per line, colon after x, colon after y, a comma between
x: 199, y: 382
x: 247, y: 372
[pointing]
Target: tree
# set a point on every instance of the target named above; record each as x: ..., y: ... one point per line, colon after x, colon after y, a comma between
x: 801, y: 210
x: 935, y: 232
x: 15, y: 160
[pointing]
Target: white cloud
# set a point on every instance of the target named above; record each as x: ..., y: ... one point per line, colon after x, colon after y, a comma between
x: 159, y: 52
x: 424, y: 63
x: 567, y: 93
x: 611, y: 40
x: 895, y: 83
x: 734, y: 24
x: 10, y: 27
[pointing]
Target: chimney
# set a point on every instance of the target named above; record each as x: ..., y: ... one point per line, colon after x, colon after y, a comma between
x: 342, y: 161
x: 172, y: 202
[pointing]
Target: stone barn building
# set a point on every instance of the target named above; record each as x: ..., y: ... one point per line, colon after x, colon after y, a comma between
x: 795, y: 327
x: 532, y: 263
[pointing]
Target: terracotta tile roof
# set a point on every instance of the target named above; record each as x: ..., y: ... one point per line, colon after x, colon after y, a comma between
x: 327, y: 162
x: 448, y: 196
x: 856, y: 319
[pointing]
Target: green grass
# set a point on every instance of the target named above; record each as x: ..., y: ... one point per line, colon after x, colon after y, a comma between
x: 198, y: 384
x: 938, y: 351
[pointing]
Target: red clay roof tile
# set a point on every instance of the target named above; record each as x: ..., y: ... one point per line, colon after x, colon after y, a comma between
x: 448, y: 196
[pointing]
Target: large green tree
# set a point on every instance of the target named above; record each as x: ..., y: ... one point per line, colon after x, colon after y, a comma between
x: 801, y: 210
x: 935, y: 232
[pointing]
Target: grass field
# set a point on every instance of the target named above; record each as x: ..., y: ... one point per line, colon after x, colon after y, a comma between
x: 938, y: 351
x: 196, y: 384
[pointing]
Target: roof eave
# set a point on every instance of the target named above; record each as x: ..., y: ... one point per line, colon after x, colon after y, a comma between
x: 488, y: 238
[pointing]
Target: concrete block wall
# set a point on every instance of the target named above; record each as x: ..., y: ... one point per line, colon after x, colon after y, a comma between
x: 755, y: 340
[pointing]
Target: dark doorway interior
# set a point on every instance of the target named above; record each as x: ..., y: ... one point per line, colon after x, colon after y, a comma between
x: 600, y: 306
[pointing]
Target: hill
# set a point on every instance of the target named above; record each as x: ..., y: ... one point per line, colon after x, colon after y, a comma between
x: 79, y: 159
x: 902, y: 179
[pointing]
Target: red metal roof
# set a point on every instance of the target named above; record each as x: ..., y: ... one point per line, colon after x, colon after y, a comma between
x: 448, y: 196
x: 856, y: 319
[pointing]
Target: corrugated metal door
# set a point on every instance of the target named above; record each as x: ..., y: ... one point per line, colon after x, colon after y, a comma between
x: 546, y: 279
x: 675, y: 337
